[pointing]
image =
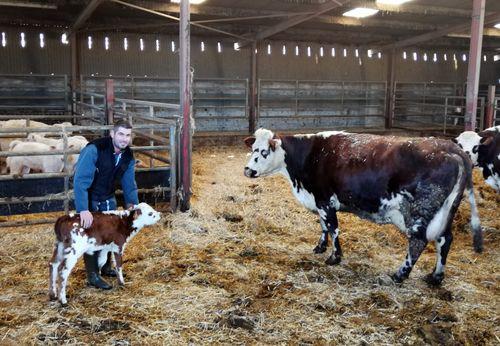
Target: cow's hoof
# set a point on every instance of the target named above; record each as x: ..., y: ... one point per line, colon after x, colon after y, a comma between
x: 319, y: 249
x: 398, y: 278
x: 52, y: 297
x: 64, y: 305
x: 433, y: 280
x: 332, y: 260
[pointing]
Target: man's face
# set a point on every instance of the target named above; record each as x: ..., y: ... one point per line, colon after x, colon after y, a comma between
x: 121, y: 137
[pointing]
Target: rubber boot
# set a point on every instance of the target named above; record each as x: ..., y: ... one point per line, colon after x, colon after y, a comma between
x: 93, y: 277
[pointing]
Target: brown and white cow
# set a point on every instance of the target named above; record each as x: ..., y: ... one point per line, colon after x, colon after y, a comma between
x: 415, y: 184
x: 110, y: 232
x: 484, y: 151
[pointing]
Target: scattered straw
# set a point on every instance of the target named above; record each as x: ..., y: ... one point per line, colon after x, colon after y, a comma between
x: 238, y: 268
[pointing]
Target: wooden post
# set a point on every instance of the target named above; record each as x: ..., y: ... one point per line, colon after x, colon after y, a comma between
x: 389, y: 106
x: 252, y: 120
x: 476, y: 42
x: 110, y: 102
x: 490, y: 108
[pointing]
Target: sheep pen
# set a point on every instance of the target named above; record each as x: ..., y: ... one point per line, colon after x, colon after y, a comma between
x: 238, y: 268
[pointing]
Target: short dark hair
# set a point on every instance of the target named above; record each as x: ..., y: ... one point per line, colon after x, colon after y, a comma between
x: 122, y: 123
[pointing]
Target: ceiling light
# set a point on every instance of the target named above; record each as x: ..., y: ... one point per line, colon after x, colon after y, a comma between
x: 194, y: 2
x: 391, y: 2
x: 497, y: 25
x: 360, y: 12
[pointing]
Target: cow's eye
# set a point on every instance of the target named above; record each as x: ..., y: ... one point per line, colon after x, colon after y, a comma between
x: 150, y: 214
x: 264, y: 153
x: 474, y: 149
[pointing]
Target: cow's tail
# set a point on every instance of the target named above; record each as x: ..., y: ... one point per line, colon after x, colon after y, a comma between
x: 477, y: 232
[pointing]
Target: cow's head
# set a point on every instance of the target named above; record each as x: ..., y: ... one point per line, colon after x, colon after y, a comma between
x: 144, y: 215
x: 268, y: 157
x: 469, y: 141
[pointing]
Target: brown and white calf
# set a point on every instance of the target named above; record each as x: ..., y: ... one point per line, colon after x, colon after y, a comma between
x: 110, y: 232
x: 415, y: 184
x: 484, y: 151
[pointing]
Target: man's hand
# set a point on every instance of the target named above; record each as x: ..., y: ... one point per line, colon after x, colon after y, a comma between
x: 86, y: 218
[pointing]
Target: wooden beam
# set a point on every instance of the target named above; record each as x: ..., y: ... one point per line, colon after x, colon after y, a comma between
x: 85, y: 14
x: 28, y: 4
x: 492, y: 18
x: 323, y: 8
x: 410, y: 8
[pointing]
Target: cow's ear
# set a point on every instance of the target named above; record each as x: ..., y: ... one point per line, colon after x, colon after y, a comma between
x: 486, y: 140
x: 274, y: 143
x: 249, y: 141
x: 486, y: 133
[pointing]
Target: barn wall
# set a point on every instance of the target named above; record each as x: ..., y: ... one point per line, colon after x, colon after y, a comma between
x: 55, y: 58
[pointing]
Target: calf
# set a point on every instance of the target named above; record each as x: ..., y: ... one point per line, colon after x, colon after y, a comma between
x: 415, y: 184
x: 484, y: 151
x: 110, y: 232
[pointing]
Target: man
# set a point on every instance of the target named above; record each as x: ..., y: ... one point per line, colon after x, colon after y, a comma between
x: 101, y: 163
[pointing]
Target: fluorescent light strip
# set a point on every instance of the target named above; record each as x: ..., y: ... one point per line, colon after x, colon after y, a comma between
x: 360, y: 12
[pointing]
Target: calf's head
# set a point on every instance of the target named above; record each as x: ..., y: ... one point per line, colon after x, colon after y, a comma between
x: 144, y: 215
x: 267, y: 157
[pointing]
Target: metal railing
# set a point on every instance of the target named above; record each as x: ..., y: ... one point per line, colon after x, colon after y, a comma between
x: 321, y: 102
x: 66, y: 195
x: 34, y: 94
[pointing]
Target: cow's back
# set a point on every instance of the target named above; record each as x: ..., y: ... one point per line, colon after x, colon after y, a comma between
x: 362, y: 169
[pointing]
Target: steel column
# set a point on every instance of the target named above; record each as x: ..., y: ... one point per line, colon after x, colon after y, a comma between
x: 185, y: 105
x: 476, y: 41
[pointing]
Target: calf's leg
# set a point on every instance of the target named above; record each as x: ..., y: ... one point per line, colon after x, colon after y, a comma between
x: 65, y: 268
x: 54, y: 263
x: 119, y: 270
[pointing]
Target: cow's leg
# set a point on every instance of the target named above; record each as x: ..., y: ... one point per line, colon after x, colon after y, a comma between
x: 53, y: 269
x: 443, y: 245
x: 65, y: 268
x: 332, y: 225
x: 119, y: 271
x: 416, y: 245
x: 475, y: 222
x: 323, y: 240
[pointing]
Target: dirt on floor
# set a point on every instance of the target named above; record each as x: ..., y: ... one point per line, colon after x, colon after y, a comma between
x: 238, y: 268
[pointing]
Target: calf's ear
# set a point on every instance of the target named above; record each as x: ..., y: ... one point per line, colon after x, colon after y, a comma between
x: 249, y: 141
x: 137, y: 213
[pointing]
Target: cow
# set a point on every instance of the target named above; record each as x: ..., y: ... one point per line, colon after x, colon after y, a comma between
x: 415, y: 184
x: 110, y: 231
x: 484, y: 151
